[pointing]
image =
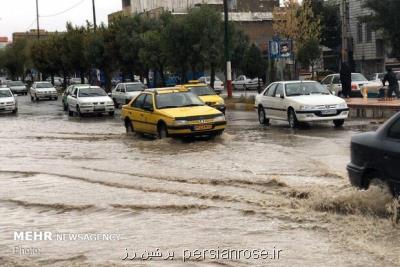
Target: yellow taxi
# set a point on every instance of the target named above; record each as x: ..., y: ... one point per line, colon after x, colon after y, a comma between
x: 206, y: 94
x: 172, y: 111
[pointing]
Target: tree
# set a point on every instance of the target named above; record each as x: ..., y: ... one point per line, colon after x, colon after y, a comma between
x: 385, y: 17
x: 253, y: 64
x: 153, y: 53
x: 296, y: 22
x: 14, y: 58
x: 309, y: 54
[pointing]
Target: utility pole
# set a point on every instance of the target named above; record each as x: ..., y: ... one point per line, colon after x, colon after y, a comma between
x: 37, y: 19
x: 344, y: 31
x: 94, y: 15
x: 227, y: 55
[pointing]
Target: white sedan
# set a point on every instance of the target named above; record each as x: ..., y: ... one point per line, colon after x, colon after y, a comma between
x: 332, y: 83
x: 41, y: 90
x: 242, y: 82
x: 125, y: 92
x: 300, y: 101
x: 8, y: 103
x: 90, y: 99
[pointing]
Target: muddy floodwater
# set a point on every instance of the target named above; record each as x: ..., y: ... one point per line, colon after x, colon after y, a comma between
x: 254, y: 188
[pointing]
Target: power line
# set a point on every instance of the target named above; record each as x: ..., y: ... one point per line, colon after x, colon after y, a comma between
x: 64, y: 11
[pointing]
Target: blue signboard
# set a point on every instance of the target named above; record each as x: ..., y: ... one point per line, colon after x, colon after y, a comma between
x: 280, y: 48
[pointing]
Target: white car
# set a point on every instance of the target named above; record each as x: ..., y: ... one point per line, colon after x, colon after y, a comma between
x: 332, y: 83
x: 89, y: 99
x: 218, y: 84
x: 42, y: 90
x: 8, y: 103
x: 125, y: 92
x: 17, y: 87
x: 300, y: 101
x: 244, y: 83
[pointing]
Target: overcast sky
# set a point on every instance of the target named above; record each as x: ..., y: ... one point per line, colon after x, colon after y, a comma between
x: 20, y: 15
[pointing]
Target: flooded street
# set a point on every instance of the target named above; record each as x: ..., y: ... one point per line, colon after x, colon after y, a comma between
x: 253, y: 188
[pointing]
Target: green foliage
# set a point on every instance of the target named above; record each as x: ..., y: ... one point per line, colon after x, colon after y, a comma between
x: 253, y: 64
x: 309, y: 53
x: 386, y: 19
x: 14, y: 58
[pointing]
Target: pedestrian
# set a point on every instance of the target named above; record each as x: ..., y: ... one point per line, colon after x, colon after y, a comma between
x: 390, y: 77
x: 345, y: 78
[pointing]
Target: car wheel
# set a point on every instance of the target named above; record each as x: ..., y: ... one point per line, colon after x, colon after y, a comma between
x: 115, y: 103
x: 162, y: 131
x: 338, y: 123
x: 261, y: 116
x: 36, y: 98
x: 129, y: 126
x: 15, y: 111
x: 32, y: 98
x: 245, y: 87
x: 111, y: 113
x: 293, y: 122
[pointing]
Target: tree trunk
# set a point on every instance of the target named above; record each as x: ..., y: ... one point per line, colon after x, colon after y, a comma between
x: 82, y: 76
x: 132, y: 76
x: 162, y: 77
x: 52, y: 78
x: 65, y: 79
x: 212, y: 79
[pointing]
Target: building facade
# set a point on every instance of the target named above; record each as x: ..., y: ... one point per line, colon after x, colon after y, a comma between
x: 254, y: 17
x: 31, y: 35
x: 3, y: 42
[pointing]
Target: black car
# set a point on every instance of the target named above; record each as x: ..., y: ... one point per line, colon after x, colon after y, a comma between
x: 376, y: 155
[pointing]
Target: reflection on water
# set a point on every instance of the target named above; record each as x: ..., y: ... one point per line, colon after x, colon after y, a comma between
x: 253, y: 187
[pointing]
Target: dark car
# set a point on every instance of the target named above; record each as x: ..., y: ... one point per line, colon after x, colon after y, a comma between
x: 376, y: 155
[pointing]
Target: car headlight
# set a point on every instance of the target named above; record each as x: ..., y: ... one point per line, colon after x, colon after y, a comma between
x: 307, y: 107
x: 110, y: 103
x: 342, y: 105
x: 219, y: 118
x: 180, y: 122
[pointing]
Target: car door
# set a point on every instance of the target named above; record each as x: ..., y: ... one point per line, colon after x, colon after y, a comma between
x: 279, y: 103
x: 122, y: 92
x: 117, y: 93
x: 266, y: 101
x: 391, y: 154
x: 149, y: 120
x: 136, y: 113
x: 336, y: 85
x: 73, y: 99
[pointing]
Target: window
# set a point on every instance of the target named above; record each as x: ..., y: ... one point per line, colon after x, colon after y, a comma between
x: 368, y: 32
x: 148, y: 102
x: 336, y: 80
x: 138, y: 103
x: 75, y: 93
x: 279, y: 91
x: 327, y: 80
x: 359, y: 33
x: 271, y: 91
x: 394, y: 131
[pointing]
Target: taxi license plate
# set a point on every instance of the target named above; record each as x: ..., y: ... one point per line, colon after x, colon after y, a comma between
x: 203, y: 127
x: 99, y: 108
x: 328, y: 112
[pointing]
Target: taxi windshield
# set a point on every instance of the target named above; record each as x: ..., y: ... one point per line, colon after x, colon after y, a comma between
x: 201, y: 90
x: 178, y: 100
x: 90, y: 92
x: 307, y: 88
x: 5, y: 93
x: 134, y: 87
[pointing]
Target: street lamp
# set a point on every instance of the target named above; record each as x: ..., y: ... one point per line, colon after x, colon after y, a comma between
x: 94, y: 15
x: 227, y: 56
x: 37, y: 19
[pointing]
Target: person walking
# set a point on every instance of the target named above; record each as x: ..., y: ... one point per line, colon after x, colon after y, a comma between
x: 390, y: 77
x: 345, y: 78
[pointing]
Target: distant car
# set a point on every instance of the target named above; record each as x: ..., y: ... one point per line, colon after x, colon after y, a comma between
x: 89, y: 99
x: 244, y: 83
x: 172, y: 111
x: 376, y: 155
x: 300, y: 101
x: 42, y: 90
x: 218, y: 84
x: 206, y: 94
x: 332, y: 83
x: 58, y: 81
x: 377, y: 77
x: 17, y: 87
x: 125, y: 92
x: 8, y: 103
